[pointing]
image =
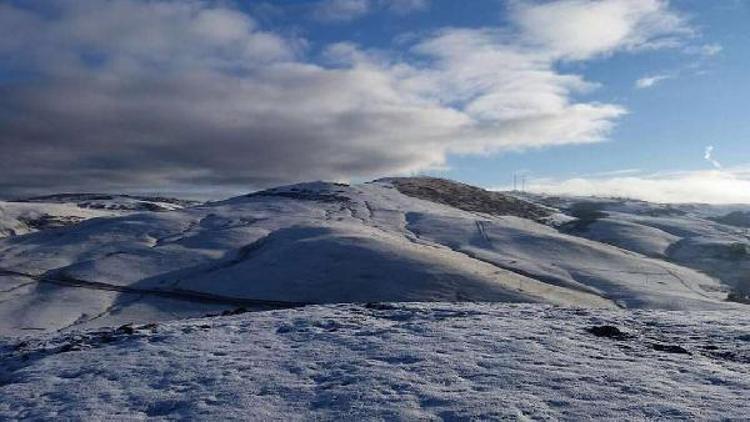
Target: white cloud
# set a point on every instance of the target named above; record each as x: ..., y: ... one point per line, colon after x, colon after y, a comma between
x: 704, y: 50
x: 731, y: 186
x: 649, y: 81
x: 515, y: 97
x: 580, y: 29
x: 708, y: 155
x: 160, y: 93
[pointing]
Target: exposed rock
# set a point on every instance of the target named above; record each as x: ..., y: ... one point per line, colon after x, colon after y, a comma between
x: 467, y: 198
x: 670, y: 348
x: 125, y: 329
x: 609, y: 331
x: 47, y: 221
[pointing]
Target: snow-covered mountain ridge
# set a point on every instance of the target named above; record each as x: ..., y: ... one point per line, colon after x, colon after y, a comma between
x: 400, y: 239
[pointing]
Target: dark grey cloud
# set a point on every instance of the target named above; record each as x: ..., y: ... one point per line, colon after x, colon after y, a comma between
x: 123, y: 94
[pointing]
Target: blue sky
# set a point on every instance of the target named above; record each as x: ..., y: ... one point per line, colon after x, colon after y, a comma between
x: 617, y: 97
x: 669, y: 125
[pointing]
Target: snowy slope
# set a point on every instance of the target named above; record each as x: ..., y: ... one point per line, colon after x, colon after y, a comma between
x: 325, y: 242
x: 53, y: 211
x: 708, y: 238
x: 18, y: 218
x: 390, y: 362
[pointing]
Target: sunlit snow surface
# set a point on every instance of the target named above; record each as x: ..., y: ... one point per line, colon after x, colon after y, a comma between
x: 435, y: 241
x: 395, y: 362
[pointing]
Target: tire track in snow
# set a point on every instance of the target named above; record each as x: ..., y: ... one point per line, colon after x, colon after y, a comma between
x: 685, y: 283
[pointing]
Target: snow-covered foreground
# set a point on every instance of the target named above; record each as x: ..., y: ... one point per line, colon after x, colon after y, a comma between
x: 411, y: 239
x: 390, y: 361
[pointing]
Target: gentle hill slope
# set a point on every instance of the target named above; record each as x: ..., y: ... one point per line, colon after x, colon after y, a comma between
x: 390, y: 240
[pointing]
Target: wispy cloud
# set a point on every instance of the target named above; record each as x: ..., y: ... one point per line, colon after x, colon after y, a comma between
x: 341, y: 10
x: 403, y: 7
x: 708, y: 156
x: 704, y: 50
x: 348, y: 10
x: 650, y: 81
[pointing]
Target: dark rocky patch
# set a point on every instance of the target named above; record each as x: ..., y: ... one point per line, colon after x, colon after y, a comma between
x: 739, y: 297
x: 380, y: 306
x: 46, y: 221
x: 229, y: 312
x: 609, y: 331
x: 670, y: 348
x: 125, y: 329
x: 236, y: 311
x: 467, y: 198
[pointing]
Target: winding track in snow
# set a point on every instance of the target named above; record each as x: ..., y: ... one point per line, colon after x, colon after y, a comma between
x: 177, y: 294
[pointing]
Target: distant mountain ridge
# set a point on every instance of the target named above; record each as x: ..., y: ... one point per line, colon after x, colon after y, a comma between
x: 28, y: 215
x: 114, y: 201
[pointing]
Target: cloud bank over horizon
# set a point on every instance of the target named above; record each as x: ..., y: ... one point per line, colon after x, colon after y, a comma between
x: 727, y: 186
x: 133, y: 94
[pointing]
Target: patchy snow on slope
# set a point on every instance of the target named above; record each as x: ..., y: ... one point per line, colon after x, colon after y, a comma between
x: 404, y: 361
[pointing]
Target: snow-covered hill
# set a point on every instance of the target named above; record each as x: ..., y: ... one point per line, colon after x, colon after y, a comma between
x: 53, y: 211
x: 390, y: 362
x: 389, y: 240
x: 709, y: 238
x: 19, y: 218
